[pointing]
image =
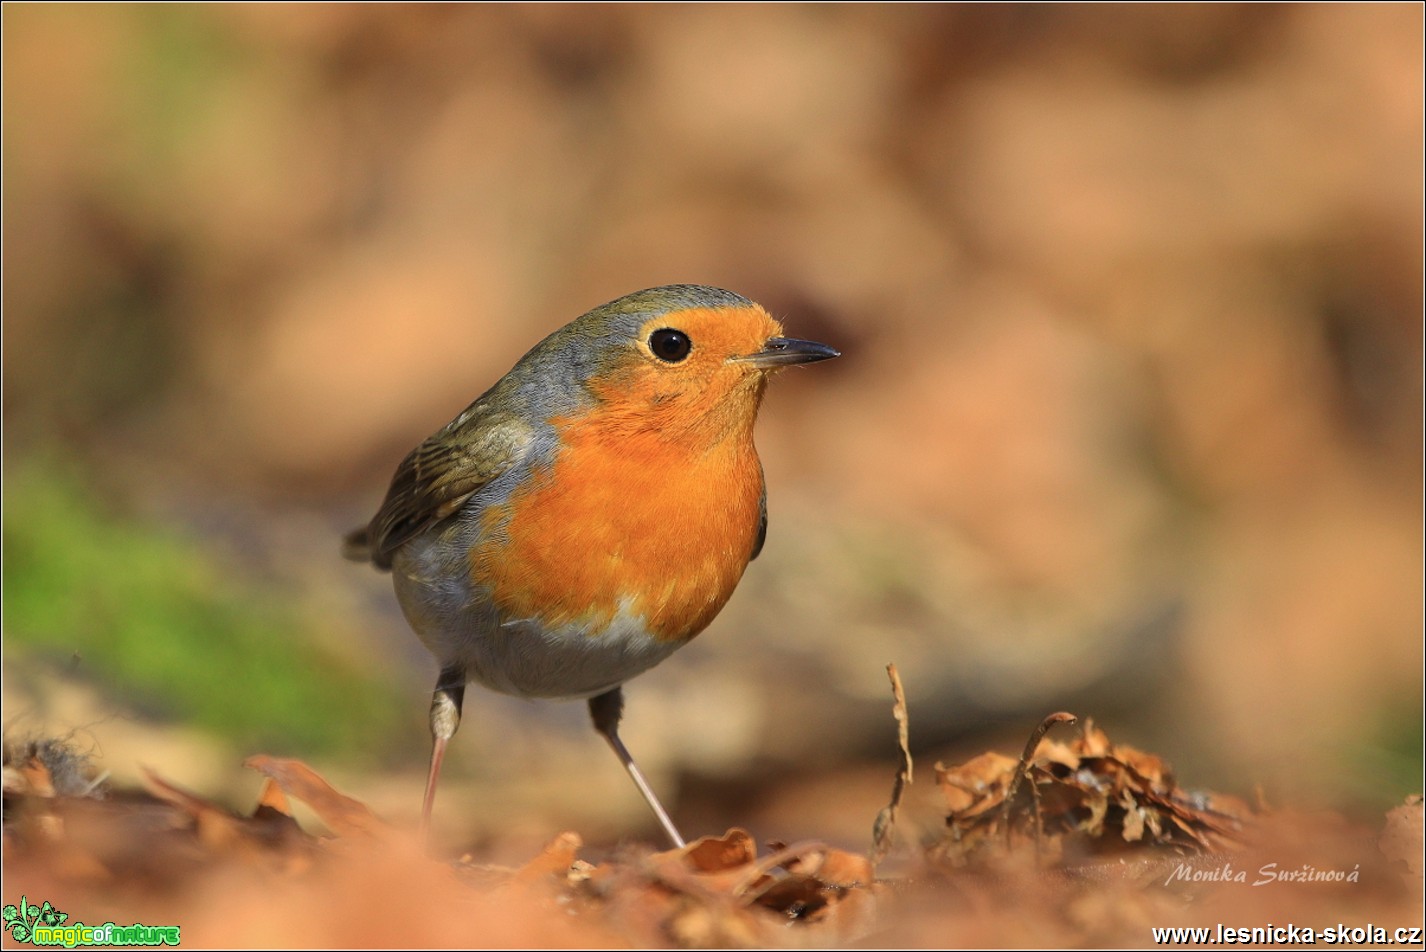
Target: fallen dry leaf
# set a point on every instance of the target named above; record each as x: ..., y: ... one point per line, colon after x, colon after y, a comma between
x: 1086, y: 797
x: 1401, y: 840
x: 344, y: 815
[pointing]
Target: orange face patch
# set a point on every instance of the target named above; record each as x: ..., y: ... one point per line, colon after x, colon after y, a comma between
x: 653, y: 500
x: 700, y: 397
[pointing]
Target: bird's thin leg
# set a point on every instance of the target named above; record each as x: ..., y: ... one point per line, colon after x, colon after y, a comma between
x: 445, y: 718
x: 606, y: 710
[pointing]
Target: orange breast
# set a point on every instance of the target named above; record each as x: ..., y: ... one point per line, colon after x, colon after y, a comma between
x: 625, y: 520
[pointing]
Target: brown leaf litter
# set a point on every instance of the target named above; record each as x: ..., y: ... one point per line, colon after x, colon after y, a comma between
x: 715, y: 891
x: 1082, y: 798
x: 1080, y: 841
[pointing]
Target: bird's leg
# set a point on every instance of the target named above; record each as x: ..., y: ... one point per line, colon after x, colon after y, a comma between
x: 606, y: 710
x: 445, y: 718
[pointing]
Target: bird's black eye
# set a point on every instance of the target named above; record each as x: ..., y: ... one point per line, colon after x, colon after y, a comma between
x: 669, y: 344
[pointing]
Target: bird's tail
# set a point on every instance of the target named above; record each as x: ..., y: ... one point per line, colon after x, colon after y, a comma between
x: 356, y: 545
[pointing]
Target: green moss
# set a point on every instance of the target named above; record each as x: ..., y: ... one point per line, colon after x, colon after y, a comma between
x: 157, y: 620
x: 1390, y: 760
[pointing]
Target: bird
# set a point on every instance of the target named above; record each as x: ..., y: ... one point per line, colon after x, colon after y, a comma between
x: 591, y: 512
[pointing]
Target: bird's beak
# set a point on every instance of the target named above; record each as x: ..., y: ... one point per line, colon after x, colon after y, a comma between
x: 784, y: 351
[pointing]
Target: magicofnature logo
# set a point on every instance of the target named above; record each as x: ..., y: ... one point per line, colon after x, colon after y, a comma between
x: 47, y: 926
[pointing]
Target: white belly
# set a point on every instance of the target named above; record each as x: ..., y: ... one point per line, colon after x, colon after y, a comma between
x: 516, y: 656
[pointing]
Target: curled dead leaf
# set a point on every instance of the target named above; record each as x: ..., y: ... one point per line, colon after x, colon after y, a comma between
x: 1103, y: 795
x: 345, y: 815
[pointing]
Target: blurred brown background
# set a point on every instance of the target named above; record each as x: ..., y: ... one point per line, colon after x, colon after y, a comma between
x: 1128, y: 422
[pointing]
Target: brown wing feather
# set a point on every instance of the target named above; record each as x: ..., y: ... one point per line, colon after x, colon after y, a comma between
x: 436, y: 479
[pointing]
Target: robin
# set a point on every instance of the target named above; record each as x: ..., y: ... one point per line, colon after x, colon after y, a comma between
x: 591, y: 512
